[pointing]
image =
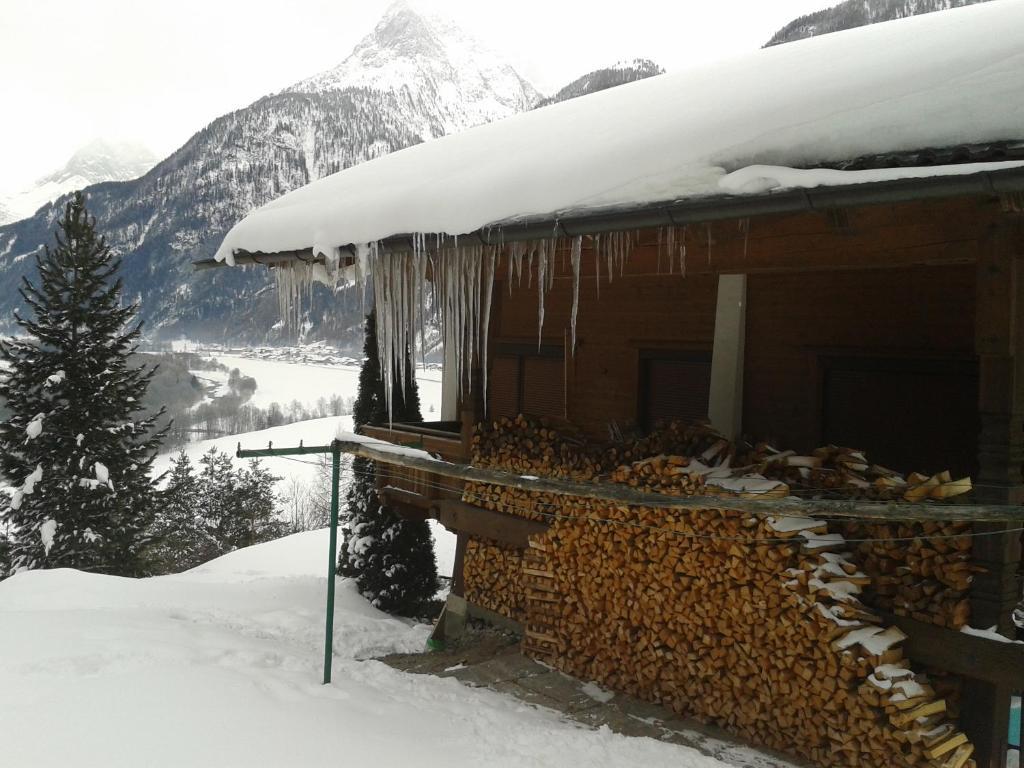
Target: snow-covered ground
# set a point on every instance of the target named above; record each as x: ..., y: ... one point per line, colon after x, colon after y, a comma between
x: 282, y: 382
x: 221, y: 667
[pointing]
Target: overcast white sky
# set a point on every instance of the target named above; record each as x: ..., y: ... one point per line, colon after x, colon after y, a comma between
x: 157, y: 71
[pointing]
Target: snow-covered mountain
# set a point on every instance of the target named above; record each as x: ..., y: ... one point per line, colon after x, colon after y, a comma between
x: 858, y: 13
x: 413, y: 78
x: 608, y: 77
x: 425, y: 59
x: 98, y: 161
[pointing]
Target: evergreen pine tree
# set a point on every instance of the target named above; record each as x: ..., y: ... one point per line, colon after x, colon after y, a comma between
x: 237, y: 507
x: 5, y: 551
x: 75, y: 447
x: 391, y: 559
x: 254, y: 519
x: 180, y: 534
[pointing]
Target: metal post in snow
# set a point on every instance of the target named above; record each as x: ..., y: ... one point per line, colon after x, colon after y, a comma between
x: 329, y: 630
x: 335, y: 450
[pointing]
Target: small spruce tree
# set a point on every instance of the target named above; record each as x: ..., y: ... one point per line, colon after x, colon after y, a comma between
x: 215, y: 511
x: 391, y: 559
x: 181, y: 538
x: 75, y: 448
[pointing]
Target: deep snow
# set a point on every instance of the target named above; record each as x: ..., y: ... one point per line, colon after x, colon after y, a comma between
x: 221, y: 666
x: 936, y: 80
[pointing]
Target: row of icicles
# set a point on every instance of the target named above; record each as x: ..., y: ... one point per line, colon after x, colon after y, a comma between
x: 457, y: 296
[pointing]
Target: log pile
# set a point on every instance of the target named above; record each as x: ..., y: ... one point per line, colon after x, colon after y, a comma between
x: 836, y: 472
x: 753, y: 623
x: 492, y: 577
x: 927, y: 576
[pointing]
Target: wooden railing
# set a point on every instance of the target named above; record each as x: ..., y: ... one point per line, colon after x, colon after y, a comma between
x: 409, y: 490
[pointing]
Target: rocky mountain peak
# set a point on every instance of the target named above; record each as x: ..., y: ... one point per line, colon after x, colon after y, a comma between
x: 427, y: 59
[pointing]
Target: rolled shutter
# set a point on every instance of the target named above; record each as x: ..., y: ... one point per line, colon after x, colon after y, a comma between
x: 677, y: 390
x: 504, y: 386
x: 544, y: 386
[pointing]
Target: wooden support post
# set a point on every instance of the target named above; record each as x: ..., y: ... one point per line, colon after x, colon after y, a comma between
x: 999, y: 343
x: 458, y: 573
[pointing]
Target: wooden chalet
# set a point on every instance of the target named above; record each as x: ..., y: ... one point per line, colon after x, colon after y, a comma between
x: 872, y: 298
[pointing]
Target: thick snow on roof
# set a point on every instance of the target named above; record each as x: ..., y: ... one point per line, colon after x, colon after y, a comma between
x: 935, y: 80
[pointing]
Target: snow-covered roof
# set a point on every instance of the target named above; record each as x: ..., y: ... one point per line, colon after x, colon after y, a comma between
x: 936, y: 80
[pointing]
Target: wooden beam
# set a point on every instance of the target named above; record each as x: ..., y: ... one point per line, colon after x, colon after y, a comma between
x: 623, y: 495
x: 407, y: 504
x: 486, y: 524
x: 978, y: 658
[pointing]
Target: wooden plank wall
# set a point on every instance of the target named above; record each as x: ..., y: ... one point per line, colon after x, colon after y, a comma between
x: 888, y: 278
x: 793, y: 318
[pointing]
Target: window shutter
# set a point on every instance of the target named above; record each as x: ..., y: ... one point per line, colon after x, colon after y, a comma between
x: 544, y: 386
x: 504, y: 386
x: 910, y: 415
x: 677, y: 390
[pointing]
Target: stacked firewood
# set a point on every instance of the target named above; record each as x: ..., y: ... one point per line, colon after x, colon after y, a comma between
x: 920, y: 569
x: 753, y: 623
x: 532, y: 447
x: 492, y: 576
x: 836, y: 472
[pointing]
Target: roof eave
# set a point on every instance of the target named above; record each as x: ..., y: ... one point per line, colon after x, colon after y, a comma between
x: 676, y: 213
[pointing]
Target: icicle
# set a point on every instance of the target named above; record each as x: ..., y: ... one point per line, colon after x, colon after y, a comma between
x: 294, y: 281
x: 542, y: 264
x: 596, y: 242
x: 660, y: 232
x: 609, y: 253
x: 671, y: 239
x: 574, y: 259
x: 552, y: 247
x: 708, y: 228
x: 490, y: 265
x: 683, y: 266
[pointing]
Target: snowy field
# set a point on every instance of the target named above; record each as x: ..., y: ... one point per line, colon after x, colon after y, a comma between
x: 221, y: 666
x: 282, y: 382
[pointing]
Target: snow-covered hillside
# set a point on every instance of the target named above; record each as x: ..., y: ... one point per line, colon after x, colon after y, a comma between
x: 221, y: 667
x: 98, y: 161
x: 857, y: 13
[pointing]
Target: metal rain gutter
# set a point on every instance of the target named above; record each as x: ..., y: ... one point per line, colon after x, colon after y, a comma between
x: 982, y: 184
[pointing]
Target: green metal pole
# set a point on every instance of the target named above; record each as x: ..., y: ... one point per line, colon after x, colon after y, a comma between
x: 329, y: 631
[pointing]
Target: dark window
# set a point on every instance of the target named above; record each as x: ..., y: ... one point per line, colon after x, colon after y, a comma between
x: 912, y: 415
x: 674, y: 386
x: 526, y: 380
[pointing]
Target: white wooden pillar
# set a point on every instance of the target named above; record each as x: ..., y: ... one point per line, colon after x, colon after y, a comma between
x: 725, y: 403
